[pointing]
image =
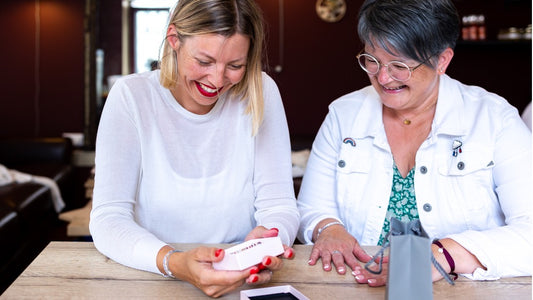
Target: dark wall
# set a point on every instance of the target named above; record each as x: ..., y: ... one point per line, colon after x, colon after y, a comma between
x: 43, y: 84
x: 317, y: 59
x: 109, y: 36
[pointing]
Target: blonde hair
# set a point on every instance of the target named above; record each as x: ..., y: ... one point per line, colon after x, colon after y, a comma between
x: 224, y: 17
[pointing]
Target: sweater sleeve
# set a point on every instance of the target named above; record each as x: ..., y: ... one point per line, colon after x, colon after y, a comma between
x: 117, y: 163
x: 275, y: 202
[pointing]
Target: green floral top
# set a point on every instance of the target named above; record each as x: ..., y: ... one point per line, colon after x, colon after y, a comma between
x: 402, y: 202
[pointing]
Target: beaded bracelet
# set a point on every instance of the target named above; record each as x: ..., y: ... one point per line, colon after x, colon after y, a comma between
x: 448, y: 257
x: 165, y: 263
x: 326, y: 226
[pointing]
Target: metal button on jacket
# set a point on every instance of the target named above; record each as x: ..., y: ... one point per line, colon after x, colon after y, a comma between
x: 342, y: 164
x: 460, y: 165
x: 423, y: 170
x: 427, y: 207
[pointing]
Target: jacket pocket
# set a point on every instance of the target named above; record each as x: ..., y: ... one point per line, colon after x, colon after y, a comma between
x: 468, y: 163
x: 353, y: 172
x: 468, y: 180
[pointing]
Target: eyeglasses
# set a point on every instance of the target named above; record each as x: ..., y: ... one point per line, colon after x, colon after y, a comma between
x: 396, y: 69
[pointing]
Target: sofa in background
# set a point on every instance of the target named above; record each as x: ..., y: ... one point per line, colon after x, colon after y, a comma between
x: 28, y: 219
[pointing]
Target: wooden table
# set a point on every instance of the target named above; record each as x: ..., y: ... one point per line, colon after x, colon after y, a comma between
x: 66, y: 270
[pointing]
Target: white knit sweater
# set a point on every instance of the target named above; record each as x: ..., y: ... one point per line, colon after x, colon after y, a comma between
x: 164, y: 174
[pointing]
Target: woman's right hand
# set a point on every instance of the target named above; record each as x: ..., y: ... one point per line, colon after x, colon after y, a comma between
x: 196, y: 267
x: 335, y: 245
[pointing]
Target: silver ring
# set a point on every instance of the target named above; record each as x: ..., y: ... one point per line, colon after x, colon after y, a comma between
x: 336, y: 251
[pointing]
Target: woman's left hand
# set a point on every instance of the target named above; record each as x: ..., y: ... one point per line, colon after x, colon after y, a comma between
x: 363, y: 276
x: 262, y: 273
x: 464, y: 261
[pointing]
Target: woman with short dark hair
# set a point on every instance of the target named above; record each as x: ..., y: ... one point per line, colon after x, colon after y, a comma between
x: 417, y: 144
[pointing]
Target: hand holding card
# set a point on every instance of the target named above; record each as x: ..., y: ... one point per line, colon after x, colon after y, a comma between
x: 249, y: 253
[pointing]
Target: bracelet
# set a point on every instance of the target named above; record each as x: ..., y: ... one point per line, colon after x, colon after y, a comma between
x: 326, y: 226
x: 448, y: 257
x: 165, y: 263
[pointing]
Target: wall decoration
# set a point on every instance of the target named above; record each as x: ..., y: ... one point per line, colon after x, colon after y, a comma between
x: 330, y: 10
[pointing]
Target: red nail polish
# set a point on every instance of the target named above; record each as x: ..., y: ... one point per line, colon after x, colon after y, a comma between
x: 291, y: 253
x: 217, y: 253
x: 268, y: 261
x: 254, y: 271
x: 275, y: 229
x: 261, y: 267
x: 255, y: 278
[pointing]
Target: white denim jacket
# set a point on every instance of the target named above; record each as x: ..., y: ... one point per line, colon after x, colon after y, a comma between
x: 481, y: 197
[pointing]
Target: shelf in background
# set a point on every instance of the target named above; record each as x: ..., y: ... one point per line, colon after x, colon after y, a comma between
x: 495, y: 43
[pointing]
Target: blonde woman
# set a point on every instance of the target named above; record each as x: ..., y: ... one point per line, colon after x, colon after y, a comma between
x: 197, y: 152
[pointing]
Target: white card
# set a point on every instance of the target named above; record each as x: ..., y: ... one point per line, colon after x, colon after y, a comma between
x: 249, y: 253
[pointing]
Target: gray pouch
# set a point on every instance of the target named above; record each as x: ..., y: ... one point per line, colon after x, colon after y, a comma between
x: 410, y: 259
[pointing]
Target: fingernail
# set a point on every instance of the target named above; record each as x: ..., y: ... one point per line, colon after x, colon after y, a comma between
x: 341, y: 270
x: 267, y: 262
x: 371, y: 281
x: 255, y: 278
x: 274, y: 229
x: 326, y: 267
x: 291, y: 253
x: 261, y: 267
x: 254, y: 271
x: 356, y: 272
x: 360, y: 277
x: 309, y: 262
x: 217, y: 253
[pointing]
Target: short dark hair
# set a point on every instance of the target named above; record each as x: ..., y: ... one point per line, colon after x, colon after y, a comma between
x: 417, y: 29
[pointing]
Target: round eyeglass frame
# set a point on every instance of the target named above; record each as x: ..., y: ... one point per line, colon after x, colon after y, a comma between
x: 410, y: 69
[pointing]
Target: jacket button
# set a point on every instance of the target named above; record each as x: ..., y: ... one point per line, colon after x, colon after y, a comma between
x: 342, y: 164
x: 427, y: 207
x: 460, y: 165
x: 423, y: 170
